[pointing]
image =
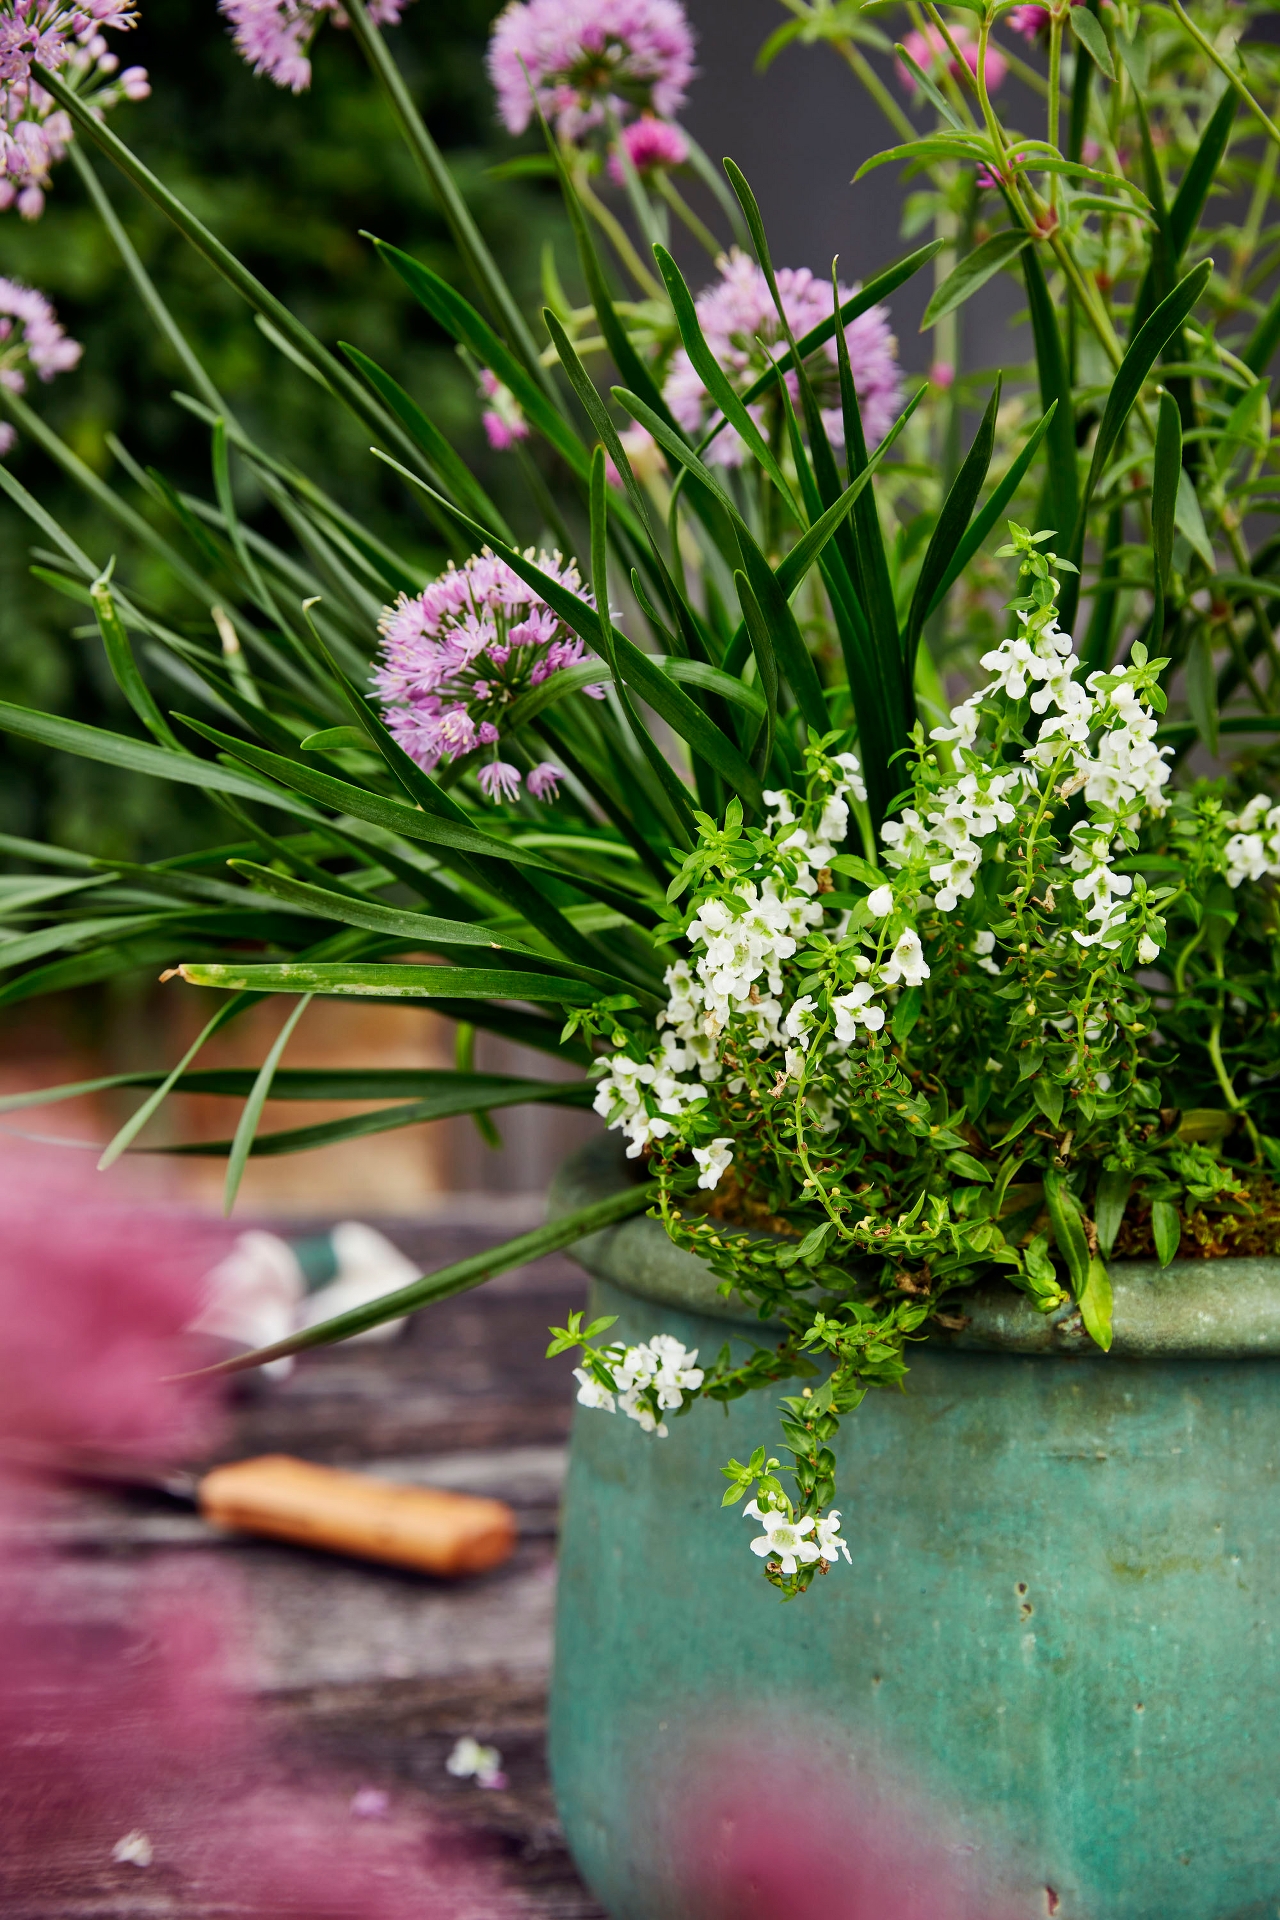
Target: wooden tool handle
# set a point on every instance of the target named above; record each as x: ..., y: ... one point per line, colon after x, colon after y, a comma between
x: 313, y: 1506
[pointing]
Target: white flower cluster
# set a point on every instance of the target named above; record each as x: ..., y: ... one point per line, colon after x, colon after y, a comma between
x: 1253, y: 851
x: 796, y: 1543
x: 1125, y: 775
x: 740, y: 951
x: 651, y: 1379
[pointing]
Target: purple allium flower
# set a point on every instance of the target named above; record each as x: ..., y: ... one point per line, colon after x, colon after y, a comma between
x: 30, y: 339
x: 34, y: 132
x: 499, y: 781
x: 455, y: 656
x: 581, y: 56
x: 544, y: 782
x: 651, y: 144
x: 740, y: 324
x: 275, y: 36
x: 503, y: 420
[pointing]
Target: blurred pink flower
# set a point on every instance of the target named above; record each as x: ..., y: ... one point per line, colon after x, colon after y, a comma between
x: 942, y: 374
x: 788, y: 1826
x: 741, y: 327
x: 581, y: 56
x: 126, y: 1730
x: 503, y: 420
x: 932, y: 55
x: 1031, y: 22
x: 275, y: 36
x: 650, y: 144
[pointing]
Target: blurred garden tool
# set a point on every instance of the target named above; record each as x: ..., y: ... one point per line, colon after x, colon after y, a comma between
x: 280, y: 1498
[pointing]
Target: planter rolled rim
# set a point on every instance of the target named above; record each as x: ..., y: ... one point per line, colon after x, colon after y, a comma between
x: 1190, y: 1310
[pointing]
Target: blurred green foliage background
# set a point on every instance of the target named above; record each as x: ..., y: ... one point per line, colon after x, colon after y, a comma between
x: 288, y: 183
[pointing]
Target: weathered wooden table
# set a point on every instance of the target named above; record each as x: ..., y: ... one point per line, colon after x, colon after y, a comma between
x: 365, y: 1677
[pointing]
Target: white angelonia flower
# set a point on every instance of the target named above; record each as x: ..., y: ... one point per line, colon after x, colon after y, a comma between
x: 965, y: 721
x: 1253, y: 850
x: 906, y: 964
x: 830, y: 1545
x: 713, y: 1160
x: 880, y: 902
x: 1147, y: 950
x: 591, y: 1393
x: 984, y: 946
x: 783, y: 1538
x: 856, y: 1009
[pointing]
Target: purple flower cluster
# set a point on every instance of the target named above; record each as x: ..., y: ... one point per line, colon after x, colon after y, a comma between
x: 741, y: 327
x: 583, y: 56
x: 651, y: 145
x: 456, y: 656
x: 275, y: 36
x: 68, y: 40
x: 30, y: 337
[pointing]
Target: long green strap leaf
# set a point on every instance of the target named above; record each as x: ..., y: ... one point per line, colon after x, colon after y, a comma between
x: 318, y: 1083
x: 445, y: 1105
x: 381, y: 980
x: 460, y: 319
x: 452, y: 470
x: 991, y: 513
x: 953, y: 524
x: 251, y: 1113
x: 139, y: 756
x: 472, y: 1272
x: 1131, y: 375
x: 434, y: 933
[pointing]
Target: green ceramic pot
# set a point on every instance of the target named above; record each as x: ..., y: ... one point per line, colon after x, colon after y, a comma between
x: 1059, y: 1624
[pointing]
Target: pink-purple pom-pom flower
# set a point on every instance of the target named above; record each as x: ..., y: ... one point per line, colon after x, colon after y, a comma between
x: 31, y: 340
x: 275, y: 36
x: 583, y: 56
x: 740, y: 324
x: 68, y: 40
x: 651, y: 145
x: 455, y: 657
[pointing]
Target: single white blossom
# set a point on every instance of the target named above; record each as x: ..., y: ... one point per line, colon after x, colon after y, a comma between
x: 783, y: 1538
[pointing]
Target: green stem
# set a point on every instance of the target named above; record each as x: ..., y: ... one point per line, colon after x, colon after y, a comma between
x: 1055, y: 69
x: 142, y: 280
x: 683, y: 211
x: 1210, y: 52
x: 1214, y: 1047
x: 857, y: 60
x: 609, y: 223
x: 467, y: 237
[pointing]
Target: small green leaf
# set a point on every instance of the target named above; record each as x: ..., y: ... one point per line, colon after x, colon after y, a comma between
x: 965, y: 1164
x: 1109, y: 1203
x: 1089, y: 33
x: 1166, y: 1230
x: 1095, y: 1299
x: 973, y: 272
x: 1047, y: 1095
x: 1202, y: 689
x: 329, y: 739
x: 906, y: 1013
x: 1068, y: 1228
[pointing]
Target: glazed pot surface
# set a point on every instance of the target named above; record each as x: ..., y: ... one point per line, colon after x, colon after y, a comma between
x: 1056, y: 1637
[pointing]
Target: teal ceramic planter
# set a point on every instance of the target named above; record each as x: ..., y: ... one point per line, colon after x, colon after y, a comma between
x: 1060, y: 1624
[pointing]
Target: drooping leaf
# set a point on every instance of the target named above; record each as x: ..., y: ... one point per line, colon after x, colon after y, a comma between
x: 1109, y: 1203
x: 388, y: 981
x: 953, y: 524
x: 251, y: 1113
x: 1085, y: 27
x: 1166, y: 1230
x: 982, y: 264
